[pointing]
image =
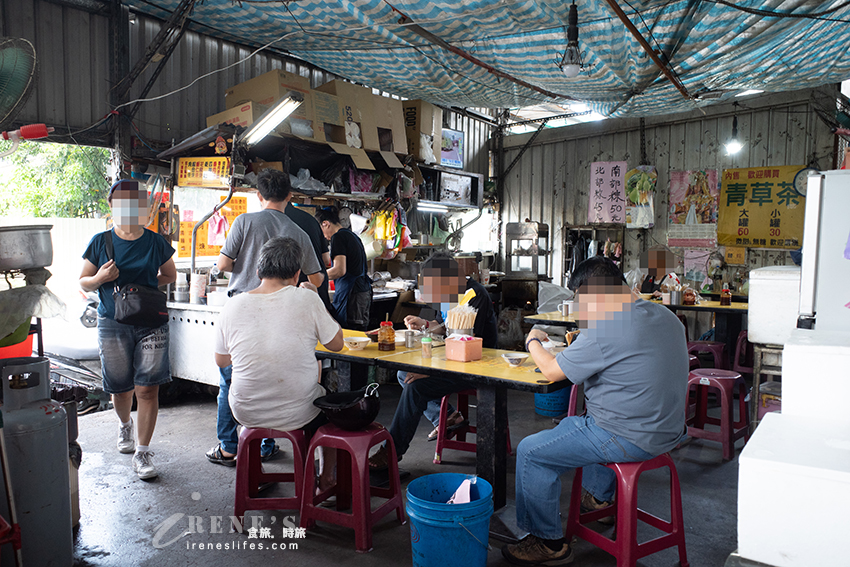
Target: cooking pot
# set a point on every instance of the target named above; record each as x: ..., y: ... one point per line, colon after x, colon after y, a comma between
x: 351, y: 410
x: 25, y: 247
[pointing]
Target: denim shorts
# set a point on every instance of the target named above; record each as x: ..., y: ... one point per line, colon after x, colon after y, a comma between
x: 132, y: 356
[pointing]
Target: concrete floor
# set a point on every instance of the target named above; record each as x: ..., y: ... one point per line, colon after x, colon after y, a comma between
x: 126, y: 521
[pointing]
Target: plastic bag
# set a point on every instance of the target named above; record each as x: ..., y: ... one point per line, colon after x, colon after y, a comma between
x: 306, y: 184
x: 634, y: 278
x: 550, y: 296
x: 22, y: 303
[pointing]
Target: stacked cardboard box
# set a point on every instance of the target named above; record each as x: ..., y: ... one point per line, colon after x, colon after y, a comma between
x: 357, y: 108
x: 424, y: 125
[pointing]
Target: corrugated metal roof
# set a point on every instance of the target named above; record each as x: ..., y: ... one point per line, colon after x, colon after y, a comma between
x: 717, y: 45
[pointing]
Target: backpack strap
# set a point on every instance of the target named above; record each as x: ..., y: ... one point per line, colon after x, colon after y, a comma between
x: 107, y: 238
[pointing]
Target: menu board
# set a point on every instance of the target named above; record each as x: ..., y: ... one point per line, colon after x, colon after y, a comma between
x: 607, y: 203
x: 203, y: 172
x: 759, y: 208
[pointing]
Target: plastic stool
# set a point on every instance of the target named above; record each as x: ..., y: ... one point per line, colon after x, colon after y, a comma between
x: 693, y: 362
x: 717, y: 350
x: 625, y: 548
x: 352, y: 486
x: 460, y: 444
x: 250, y: 475
x: 684, y: 321
x: 743, y: 354
x: 724, y: 381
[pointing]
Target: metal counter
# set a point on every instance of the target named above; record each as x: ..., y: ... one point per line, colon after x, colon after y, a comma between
x: 192, y: 334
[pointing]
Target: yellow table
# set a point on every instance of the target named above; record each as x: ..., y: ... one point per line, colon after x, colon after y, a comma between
x: 728, y: 320
x: 492, y: 377
x: 367, y: 355
x: 553, y: 318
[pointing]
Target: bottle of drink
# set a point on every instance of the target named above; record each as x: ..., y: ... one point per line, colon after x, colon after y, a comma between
x: 726, y: 295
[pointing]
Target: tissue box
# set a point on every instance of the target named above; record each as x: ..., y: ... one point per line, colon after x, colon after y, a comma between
x: 464, y: 351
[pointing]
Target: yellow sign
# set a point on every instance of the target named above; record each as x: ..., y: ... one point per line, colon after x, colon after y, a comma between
x: 235, y: 207
x: 203, y: 172
x: 737, y: 256
x: 759, y: 208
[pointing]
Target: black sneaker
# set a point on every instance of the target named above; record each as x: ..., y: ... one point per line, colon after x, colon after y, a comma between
x: 532, y: 551
x: 589, y: 504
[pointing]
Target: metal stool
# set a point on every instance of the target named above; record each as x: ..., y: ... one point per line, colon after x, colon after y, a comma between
x: 459, y: 444
x: 725, y: 382
x: 250, y: 475
x: 352, y: 483
x: 626, y: 548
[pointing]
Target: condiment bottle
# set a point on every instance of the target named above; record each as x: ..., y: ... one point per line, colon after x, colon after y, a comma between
x: 426, y: 347
x: 725, y: 295
x: 386, y: 336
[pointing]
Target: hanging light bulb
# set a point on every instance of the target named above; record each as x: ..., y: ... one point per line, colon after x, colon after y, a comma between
x: 570, y: 63
x: 734, y: 145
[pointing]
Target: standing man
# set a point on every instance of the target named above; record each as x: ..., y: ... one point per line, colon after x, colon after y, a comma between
x: 632, y: 358
x: 353, y: 295
x: 310, y: 226
x: 240, y: 255
x: 442, y: 286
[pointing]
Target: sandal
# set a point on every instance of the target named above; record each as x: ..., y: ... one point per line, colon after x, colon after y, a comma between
x: 215, y: 455
x: 451, y: 430
x: 275, y: 450
x: 380, y: 460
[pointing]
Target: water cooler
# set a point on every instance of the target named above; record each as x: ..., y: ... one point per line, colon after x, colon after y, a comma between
x: 36, y: 436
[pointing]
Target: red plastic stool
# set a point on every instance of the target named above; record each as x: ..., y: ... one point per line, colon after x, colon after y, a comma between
x: 693, y: 362
x: 743, y: 355
x: 684, y: 321
x: 625, y: 548
x: 717, y: 350
x: 352, y: 486
x: 460, y: 444
x: 725, y: 382
x: 250, y: 475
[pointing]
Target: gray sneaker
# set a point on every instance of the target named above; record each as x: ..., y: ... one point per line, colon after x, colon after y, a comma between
x: 143, y: 465
x: 126, y: 439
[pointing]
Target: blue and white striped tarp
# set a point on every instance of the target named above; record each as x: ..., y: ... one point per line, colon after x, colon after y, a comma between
x: 711, y: 45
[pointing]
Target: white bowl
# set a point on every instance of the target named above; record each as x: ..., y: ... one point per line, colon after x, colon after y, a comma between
x: 356, y: 343
x: 515, y: 358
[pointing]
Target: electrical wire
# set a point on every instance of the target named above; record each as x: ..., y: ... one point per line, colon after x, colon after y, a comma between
x: 773, y: 14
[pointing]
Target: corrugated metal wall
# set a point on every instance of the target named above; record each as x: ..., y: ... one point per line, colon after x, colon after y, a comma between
x: 72, y: 48
x: 550, y: 183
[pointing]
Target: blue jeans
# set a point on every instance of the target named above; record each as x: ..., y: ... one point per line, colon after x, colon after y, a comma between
x: 413, y: 403
x: 432, y: 410
x: 543, y: 457
x: 225, y: 424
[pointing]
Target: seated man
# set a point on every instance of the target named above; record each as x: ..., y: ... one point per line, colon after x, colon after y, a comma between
x: 632, y: 358
x: 269, y: 335
x: 442, y: 286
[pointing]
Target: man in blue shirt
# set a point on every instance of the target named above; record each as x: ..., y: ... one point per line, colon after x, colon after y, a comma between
x: 632, y: 358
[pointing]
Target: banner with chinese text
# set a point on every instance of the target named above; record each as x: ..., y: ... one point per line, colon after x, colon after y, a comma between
x: 692, y: 216
x: 760, y: 208
x: 203, y: 172
x: 607, y: 203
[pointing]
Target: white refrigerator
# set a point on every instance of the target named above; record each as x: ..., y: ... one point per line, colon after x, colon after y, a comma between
x: 825, y: 276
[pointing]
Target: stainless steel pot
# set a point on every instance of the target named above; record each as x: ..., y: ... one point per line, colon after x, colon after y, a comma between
x: 24, y: 247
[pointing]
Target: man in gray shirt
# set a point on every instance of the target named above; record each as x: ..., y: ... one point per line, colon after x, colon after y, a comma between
x: 240, y: 255
x: 631, y: 356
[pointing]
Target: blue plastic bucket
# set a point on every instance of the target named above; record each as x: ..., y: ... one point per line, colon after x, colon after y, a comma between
x: 553, y: 404
x: 442, y: 533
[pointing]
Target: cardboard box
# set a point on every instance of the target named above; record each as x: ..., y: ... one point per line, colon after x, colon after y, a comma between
x: 423, y: 124
x: 389, y: 119
x: 357, y: 107
x: 464, y: 351
x: 329, y: 122
x: 243, y: 115
x: 269, y: 88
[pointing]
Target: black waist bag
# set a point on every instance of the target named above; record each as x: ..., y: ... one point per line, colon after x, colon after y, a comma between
x: 136, y: 304
x: 140, y: 305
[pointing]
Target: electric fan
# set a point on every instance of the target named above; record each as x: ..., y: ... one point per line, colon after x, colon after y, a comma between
x: 17, y: 79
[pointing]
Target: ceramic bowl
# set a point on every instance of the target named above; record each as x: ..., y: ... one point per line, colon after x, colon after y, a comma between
x: 356, y: 343
x: 515, y: 358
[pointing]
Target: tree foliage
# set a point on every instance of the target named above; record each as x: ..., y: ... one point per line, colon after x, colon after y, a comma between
x: 43, y: 179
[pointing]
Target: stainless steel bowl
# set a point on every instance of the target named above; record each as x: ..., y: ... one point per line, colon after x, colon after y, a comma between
x: 25, y: 247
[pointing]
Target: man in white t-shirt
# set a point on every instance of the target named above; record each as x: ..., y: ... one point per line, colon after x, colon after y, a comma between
x: 269, y: 335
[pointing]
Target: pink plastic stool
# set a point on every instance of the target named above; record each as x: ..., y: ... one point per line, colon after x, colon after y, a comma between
x: 693, y: 362
x: 250, y: 475
x: 459, y: 444
x: 352, y: 485
x: 625, y: 548
x: 717, y: 350
x: 743, y: 355
x: 725, y: 382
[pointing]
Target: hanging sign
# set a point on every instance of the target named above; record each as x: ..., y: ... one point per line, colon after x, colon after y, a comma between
x: 640, y: 192
x: 203, y: 172
x: 607, y: 203
x: 760, y: 208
